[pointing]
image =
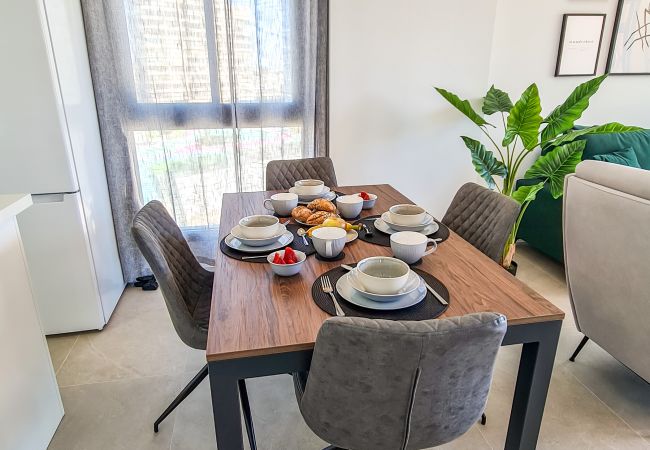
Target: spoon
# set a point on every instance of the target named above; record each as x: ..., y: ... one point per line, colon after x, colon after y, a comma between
x: 302, y: 233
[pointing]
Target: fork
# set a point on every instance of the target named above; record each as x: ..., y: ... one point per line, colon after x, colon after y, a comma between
x: 327, y: 288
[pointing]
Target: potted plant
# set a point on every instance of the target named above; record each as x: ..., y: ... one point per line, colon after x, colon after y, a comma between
x: 524, y: 130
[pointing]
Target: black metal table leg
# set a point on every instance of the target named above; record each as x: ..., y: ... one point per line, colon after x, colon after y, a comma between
x: 533, y: 379
x: 224, y: 382
x: 225, y: 409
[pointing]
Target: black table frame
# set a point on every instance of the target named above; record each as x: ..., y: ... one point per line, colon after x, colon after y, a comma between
x: 539, y: 341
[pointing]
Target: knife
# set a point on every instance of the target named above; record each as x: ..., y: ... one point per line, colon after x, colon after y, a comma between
x: 435, y: 294
x: 346, y: 267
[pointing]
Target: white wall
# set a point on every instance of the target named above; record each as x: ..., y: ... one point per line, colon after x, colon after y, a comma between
x: 526, y: 38
x: 387, y: 124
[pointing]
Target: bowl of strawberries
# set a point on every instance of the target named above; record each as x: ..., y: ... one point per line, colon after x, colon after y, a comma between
x: 368, y: 199
x: 287, y: 262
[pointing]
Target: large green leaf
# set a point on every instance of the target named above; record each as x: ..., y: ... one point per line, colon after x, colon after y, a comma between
x: 496, y: 101
x: 524, y: 119
x: 463, y: 106
x: 564, y: 116
x: 486, y: 165
x: 612, y: 127
x: 527, y: 193
x: 557, y: 164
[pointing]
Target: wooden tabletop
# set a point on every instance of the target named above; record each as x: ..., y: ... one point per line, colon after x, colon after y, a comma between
x: 255, y: 312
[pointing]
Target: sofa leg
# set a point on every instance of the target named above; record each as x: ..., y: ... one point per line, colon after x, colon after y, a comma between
x: 483, y: 419
x: 580, y: 345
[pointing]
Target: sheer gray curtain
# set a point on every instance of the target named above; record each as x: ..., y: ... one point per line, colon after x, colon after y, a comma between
x: 194, y: 97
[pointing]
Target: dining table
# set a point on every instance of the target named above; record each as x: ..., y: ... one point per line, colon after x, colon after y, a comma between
x: 262, y: 324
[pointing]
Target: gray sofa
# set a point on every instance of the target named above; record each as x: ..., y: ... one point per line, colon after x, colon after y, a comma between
x: 607, y: 258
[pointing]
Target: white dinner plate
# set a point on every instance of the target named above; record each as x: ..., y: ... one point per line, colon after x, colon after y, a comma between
x: 326, y: 193
x: 234, y: 243
x: 412, y: 283
x: 428, y: 220
x: 236, y: 232
x: 382, y: 226
x: 345, y: 290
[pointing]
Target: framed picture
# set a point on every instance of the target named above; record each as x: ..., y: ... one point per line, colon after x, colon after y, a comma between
x: 629, y: 51
x: 580, y: 42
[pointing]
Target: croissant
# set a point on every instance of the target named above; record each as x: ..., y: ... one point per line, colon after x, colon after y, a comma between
x: 320, y: 204
x: 319, y: 217
x: 301, y: 213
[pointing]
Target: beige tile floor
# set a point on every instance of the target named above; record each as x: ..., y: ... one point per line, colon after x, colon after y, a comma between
x: 114, y: 383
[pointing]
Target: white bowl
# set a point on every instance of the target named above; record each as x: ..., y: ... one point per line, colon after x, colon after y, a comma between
x: 349, y: 206
x: 408, y: 215
x: 286, y: 270
x: 369, y: 204
x: 382, y: 275
x: 309, y: 187
x: 236, y: 231
x: 412, y: 283
x: 259, y: 226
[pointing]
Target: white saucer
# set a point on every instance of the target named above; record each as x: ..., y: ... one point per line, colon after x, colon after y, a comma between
x: 282, y: 229
x: 412, y: 283
x: 351, y: 236
x: 234, y: 243
x: 345, y: 290
x: 326, y: 193
x: 382, y: 226
x: 428, y: 220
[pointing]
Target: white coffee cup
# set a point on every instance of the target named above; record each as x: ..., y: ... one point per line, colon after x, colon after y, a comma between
x: 408, y: 215
x: 410, y: 246
x: 309, y: 187
x: 282, y: 203
x: 349, y: 206
x: 259, y: 226
x: 329, y: 241
x: 382, y: 275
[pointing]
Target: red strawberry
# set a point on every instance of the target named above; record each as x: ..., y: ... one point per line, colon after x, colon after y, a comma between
x: 277, y: 259
x: 364, y: 195
x: 290, y: 256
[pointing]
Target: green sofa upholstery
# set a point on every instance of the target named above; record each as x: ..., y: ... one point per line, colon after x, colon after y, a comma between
x: 541, y: 226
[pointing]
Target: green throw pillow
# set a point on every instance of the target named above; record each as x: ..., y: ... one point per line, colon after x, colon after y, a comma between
x: 625, y: 157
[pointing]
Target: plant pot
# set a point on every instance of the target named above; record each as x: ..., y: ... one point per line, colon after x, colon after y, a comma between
x: 512, y: 269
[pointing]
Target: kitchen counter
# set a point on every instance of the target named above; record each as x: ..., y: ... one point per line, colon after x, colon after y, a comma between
x: 30, y: 404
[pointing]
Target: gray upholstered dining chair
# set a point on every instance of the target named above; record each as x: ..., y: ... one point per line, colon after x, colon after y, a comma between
x: 482, y: 217
x: 186, y: 288
x: 282, y: 174
x: 380, y: 384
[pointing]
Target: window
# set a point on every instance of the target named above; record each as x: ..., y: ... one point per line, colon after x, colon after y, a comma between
x: 213, y: 92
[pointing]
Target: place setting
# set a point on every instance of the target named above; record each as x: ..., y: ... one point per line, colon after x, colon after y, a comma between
x: 378, y: 229
x: 380, y: 287
x: 255, y: 237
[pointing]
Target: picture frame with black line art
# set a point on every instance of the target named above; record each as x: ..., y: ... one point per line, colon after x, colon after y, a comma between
x: 629, y: 50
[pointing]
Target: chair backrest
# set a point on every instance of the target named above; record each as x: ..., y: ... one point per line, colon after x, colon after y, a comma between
x: 180, y: 276
x: 607, y: 258
x: 482, y: 217
x: 380, y: 384
x: 282, y: 174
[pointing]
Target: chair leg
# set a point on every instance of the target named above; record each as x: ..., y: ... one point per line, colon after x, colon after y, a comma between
x: 580, y: 345
x: 483, y: 419
x: 248, y: 417
x: 187, y: 390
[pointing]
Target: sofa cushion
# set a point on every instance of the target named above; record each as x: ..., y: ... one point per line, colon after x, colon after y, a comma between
x: 625, y: 157
x: 639, y: 141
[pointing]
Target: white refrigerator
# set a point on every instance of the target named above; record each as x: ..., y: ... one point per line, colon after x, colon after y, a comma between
x: 50, y: 147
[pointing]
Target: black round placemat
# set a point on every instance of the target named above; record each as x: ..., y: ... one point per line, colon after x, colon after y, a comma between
x: 379, y: 238
x: 297, y: 244
x: 338, y: 257
x: 428, y: 308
